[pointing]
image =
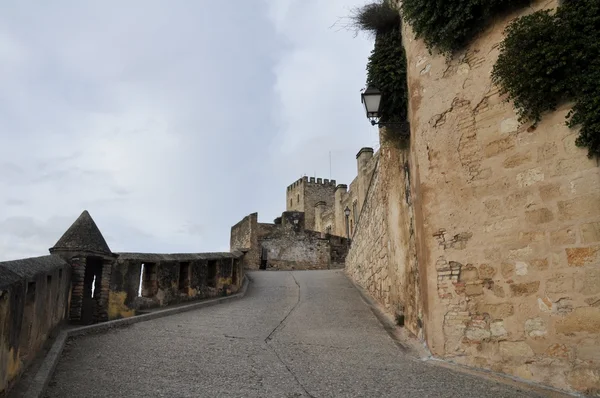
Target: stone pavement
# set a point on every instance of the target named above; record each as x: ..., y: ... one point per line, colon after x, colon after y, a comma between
x: 295, y: 334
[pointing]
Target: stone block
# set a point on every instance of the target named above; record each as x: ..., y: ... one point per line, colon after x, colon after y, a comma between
x: 530, y: 177
x: 568, y: 166
x: 539, y: 264
x: 486, y: 271
x: 547, y: 151
x: 570, y: 147
x: 531, y: 237
x: 469, y: 274
x: 493, y: 207
x: 535, y: 327
x: 561, y: 237
x: 539, y: 216
x: 477, y: 334
x: 474, y: 289
x: 496, y: 311
x: 582, y: 256
x: 521, y: 268
x: 509, y: 125
x: 498, y: 290
x: 496, y: 147
x: 585, y: 379
x: 593, y: 301
x: 583, y: 207
x: 583, y: 319
x: 515, y: 350
x: 516, y: 160
x: 497, y: 329
x: 590, y: 232
x: 507, y: 270
x: 557, y: 351
x: 591, y: 282
x: 561, y: 283
x: 549, y: 192
x: 524, y: 289
x: 588, y: 352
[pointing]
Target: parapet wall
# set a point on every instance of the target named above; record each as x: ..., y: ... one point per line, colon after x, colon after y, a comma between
x: 34, y: 295
x: 142, y: 280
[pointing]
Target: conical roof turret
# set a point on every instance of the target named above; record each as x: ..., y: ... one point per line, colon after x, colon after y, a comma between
x: 82, y: 236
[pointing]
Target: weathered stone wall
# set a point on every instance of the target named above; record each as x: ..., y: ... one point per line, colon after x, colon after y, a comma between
x: 244, y: 237
x: 382, y: 257
x: 169, y: 279
x: 34, y: 295
x: 508, y: 221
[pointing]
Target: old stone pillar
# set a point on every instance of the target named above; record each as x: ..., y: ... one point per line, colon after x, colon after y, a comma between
x: 102, y: 307
x: 78, y: 265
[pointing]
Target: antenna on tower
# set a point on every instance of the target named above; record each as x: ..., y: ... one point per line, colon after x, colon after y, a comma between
x: 330, y: 165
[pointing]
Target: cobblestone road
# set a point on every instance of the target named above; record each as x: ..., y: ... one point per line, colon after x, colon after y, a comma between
x: 295, y: 334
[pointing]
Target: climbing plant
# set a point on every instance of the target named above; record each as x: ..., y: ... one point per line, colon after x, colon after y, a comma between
x: 448, y: 25
x: 386, y: 68
x: 548, y: 58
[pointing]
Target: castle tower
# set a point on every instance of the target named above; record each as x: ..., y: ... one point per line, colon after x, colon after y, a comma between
x: 304, y: 194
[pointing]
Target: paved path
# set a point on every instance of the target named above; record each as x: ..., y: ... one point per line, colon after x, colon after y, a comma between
x: 295, y: 334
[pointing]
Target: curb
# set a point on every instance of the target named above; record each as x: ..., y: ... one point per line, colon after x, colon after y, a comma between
x: 42, y: 378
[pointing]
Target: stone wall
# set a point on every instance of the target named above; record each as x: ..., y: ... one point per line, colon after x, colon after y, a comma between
x: 289, y: 245
x: 507, y: 223
x: 34, y: 295
x: 382, y: 256
x: 244, y: 237
x: 140, y: 280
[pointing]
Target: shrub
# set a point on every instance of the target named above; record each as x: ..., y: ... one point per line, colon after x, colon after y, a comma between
x: 547, y: 59
x: 375, y: 18
x: 448, y: 25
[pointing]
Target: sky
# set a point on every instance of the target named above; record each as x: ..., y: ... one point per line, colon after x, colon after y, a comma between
x: 170, y: 121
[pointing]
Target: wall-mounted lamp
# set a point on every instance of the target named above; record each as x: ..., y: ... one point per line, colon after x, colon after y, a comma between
x: 347, y: 213
x: 371, y: 99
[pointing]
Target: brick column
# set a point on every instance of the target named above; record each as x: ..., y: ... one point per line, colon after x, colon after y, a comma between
x: 78, y: 273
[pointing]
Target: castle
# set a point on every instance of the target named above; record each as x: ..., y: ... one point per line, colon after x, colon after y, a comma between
x: 316, y: 228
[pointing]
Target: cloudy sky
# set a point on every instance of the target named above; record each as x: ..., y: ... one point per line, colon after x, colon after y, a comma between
x: 169, y: 121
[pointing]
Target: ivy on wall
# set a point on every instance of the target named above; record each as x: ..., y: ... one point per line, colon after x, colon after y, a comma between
x: 548, y: 58
x: 386, y: 68
x: 448, y: 25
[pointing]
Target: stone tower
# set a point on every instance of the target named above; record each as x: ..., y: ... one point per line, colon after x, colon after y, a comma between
x: 85, y: 249
x: 304, y: 194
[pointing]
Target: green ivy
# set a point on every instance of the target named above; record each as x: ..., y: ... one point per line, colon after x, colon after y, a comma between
x: 386, y: 70
x: 448, y: 25
x: 548, y: 58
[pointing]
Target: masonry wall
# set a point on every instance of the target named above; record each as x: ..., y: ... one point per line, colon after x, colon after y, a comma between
x: 382, y: 257
x: 508, y: 221
x: 244, y: 237
x: 33, y: 302
x: 169, y: 279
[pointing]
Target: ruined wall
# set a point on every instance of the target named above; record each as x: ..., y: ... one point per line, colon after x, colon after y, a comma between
x: 244, y: 237
x: 508, y: 221
x: 382, y: 257
x: 34, y: 295
x: 166, y: 279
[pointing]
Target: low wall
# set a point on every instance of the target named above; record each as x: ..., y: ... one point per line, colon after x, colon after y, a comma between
x: 34, y: 295
x: 141, y: 281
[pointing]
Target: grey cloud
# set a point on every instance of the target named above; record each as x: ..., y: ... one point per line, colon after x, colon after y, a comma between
x: 171, y: 124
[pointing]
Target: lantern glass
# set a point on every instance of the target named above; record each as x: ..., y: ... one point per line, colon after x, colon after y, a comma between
x: 371, y: 98
x: 347, y: 211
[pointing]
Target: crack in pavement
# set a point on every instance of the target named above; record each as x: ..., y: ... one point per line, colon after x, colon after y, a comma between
x: 272, y: 334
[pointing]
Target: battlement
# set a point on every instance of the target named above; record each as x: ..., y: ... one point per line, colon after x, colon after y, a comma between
x: 311, y: 180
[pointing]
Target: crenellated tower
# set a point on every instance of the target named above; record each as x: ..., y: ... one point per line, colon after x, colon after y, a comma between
x: 304, y: 194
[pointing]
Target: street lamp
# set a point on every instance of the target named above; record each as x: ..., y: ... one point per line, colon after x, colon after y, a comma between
x: 371, y: 99
x: 347, y: 213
